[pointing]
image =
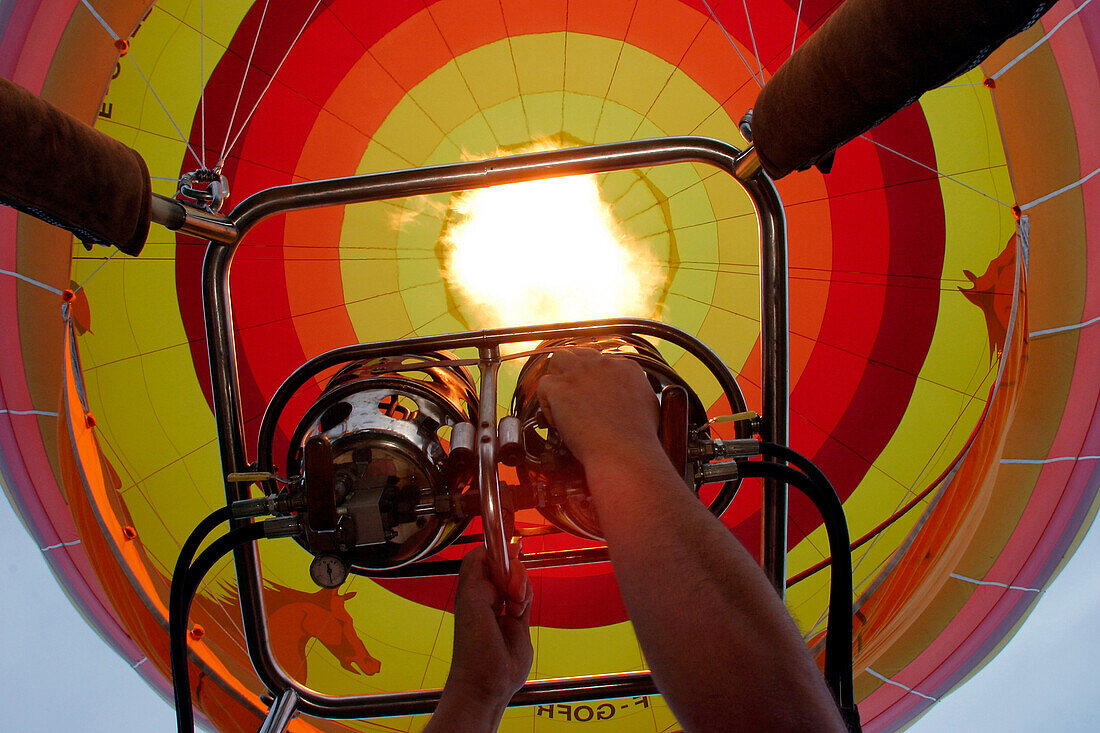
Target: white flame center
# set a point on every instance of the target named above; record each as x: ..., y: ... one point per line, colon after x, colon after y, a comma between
x: 547, y: 251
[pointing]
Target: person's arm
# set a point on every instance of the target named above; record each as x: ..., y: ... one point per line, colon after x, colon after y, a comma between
x: 722, y: 648
x: 492, y: 648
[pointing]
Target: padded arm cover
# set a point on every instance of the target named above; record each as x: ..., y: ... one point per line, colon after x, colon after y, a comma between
x: 867, y: 61
x: 60, y: 170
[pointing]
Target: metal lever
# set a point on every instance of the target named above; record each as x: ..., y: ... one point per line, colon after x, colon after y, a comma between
x: 673, y: 428
x: 497, y: 529
x: 320, y: 477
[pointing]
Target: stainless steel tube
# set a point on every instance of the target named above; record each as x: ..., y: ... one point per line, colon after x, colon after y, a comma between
x: 481, y: 340
x: 177, y: 216
x: 229, y: 421
x: 774, y: 336
x: 281, y: 713
x: 492, y: 513
x: 482, y: 173
x: 439, y: 179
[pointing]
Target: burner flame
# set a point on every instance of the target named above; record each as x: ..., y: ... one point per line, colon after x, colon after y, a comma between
x: 546, y: 251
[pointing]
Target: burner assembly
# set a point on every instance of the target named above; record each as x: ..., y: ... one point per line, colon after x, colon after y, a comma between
x: 414, y: 446
x: 372, y: 475
x: 383, y: 468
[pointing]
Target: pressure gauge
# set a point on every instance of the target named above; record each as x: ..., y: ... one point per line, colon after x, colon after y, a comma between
x: 328, y: 571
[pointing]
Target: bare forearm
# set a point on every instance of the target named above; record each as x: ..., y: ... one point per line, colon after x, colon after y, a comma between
x: 722, y: 648
x: 492, y: 647
x: 747, y: 668
x: 459, y: 711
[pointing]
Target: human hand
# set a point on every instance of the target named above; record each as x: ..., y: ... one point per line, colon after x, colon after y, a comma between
x: 492, y: 645
x: 603, y: 406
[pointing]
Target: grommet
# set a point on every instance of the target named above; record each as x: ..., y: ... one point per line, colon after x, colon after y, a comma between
x: 89, y: 420
x: 129, y: 533
x: 122, y: 45
x: 196, y: 632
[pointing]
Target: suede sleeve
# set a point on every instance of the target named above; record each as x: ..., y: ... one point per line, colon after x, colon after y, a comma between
x: 60, y: 170
x: 867, y: 61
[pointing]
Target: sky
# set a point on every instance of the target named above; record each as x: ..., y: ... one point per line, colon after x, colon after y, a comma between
x: 58, y: 675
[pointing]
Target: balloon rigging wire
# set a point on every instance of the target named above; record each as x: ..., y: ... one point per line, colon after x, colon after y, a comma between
x: 962, y: 84
x: 44, y: 413
x: 889, y: 681
x: 115, y: 37
x: 32, y: 281
x: 271, y: 79
x: 102, y: 22
x: 933, y: 170
x: 874, y: 533
x: 1063, y: 329
x: 202, y: 74
x: 900, y: 510
x: 1076, y: 184
x: 994, y: 76
x: 797, y: 20
x: 759, y: 80
x: 752, y: 37
x: 107, y: 259
x: 149, y: 86
x: 1000, y: 72
x: 1047, y: 461
x: 244, y: 79
x: 995, y: 584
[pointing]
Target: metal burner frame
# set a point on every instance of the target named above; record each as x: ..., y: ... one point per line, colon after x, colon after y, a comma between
x: 225, y: 234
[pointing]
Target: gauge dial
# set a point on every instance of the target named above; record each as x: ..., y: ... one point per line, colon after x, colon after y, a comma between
x: 328, y: 571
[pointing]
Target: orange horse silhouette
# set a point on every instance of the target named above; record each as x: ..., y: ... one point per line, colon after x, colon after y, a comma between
x: 992, y: 292
x: 295, y: 618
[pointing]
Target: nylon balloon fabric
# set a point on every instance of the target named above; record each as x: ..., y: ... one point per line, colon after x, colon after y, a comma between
x: 943, y: 296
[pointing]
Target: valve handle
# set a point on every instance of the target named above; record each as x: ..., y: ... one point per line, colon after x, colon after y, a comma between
x: 673, y: 428
x: 320, y: 475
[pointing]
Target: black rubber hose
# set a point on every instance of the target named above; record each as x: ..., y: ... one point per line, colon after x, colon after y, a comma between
x: 801, y: 462
x: 725, y: 497
x: 191, y: 546
x: 838, y: 637
x: 184, y: 584
x: 175, y: 615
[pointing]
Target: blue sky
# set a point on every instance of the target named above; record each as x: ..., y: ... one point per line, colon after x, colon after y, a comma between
x: 58, y: 675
